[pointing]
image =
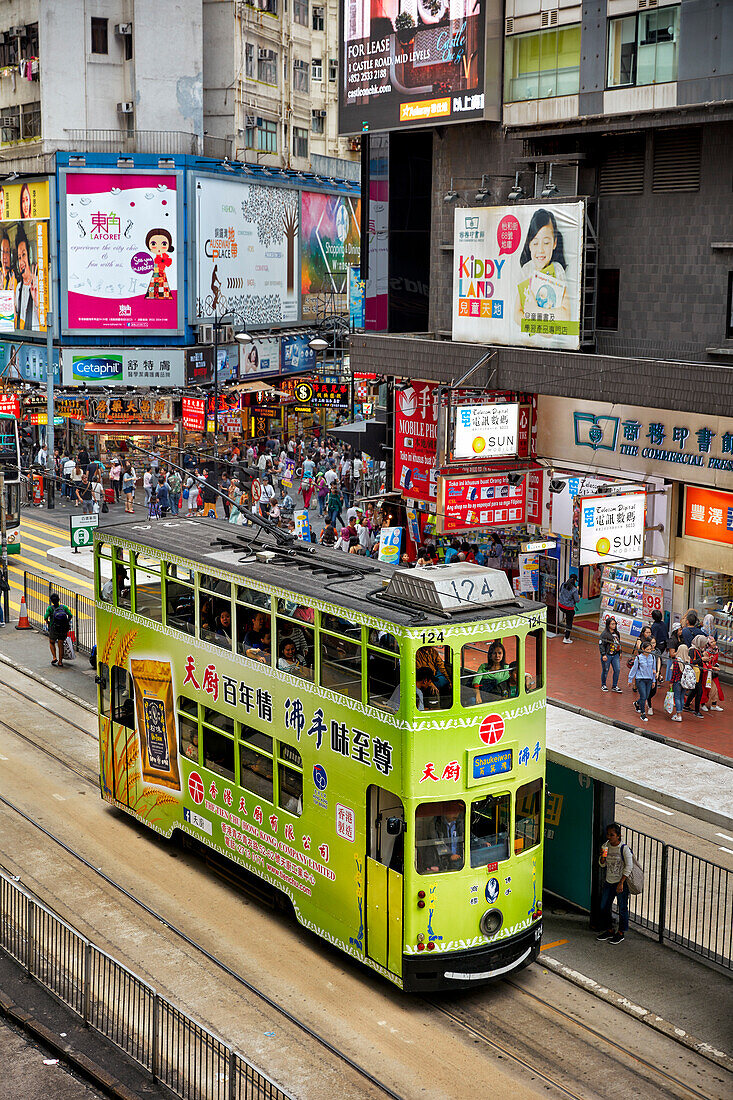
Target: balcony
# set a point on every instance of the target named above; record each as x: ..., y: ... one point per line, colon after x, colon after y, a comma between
x: 154, y: 142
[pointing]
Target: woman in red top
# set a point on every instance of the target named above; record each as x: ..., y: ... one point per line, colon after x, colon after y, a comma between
x: 712, y: 693
x: 160, y: 243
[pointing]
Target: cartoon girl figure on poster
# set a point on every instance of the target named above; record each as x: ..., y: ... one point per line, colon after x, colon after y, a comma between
x: 542, y: 292
x: 160, y: 243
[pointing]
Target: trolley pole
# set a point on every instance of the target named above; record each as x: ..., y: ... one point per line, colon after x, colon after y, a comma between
x: 4, y: 543
x: 50, y: 464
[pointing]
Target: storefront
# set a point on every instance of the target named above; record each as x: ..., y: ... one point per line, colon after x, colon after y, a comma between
x: 705, y: 547
x: 130, y: 425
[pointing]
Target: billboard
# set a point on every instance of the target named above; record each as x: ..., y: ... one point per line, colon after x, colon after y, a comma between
x: 199, y: 365
x: 416, y: 429
x: 24, y: 278
x: 246, y: 251
x: 517, y: 274
x: 296, y: 355
x: 259, y: 357
x: 122, y: 252
x: 193, y: 414
x: 486, y: 431
x: 487, y: 500
x: 709, y: 515
x: 412, y: 63
x: 27, y: 361
x: 330, y: 244
x: 123, y: 367
x: 611, y: 528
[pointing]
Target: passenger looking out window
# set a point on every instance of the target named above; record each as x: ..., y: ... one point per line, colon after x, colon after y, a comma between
x: 439, y: 837
x: 489, y: 671
x: 436, y: 659
x: 426, y: 692
x: 256, y: 643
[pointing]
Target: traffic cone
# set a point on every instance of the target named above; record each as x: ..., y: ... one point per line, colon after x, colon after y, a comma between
x: 23, y: 623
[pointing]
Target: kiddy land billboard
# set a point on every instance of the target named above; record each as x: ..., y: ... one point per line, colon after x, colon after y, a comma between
x: 408, y: 63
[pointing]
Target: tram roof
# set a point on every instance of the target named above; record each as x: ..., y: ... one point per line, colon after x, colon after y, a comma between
x: 318, y: 572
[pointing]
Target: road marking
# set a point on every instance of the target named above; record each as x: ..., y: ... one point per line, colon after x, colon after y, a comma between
x: 37, y: 538
x: 728, y: 850
x: 649, y: 805
x: 555, y: 943
x: 64, y: 576
x: 724, y: 836
x: 44, y: 528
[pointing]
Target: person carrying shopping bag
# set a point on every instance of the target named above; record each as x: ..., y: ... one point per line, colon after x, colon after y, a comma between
x: 644, y: 674
x: 609, y: 645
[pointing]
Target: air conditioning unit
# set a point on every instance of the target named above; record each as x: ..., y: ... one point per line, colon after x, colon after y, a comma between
x: 123, y: 28
x: 19, y: 32
x: 126, y: 108
x: 206, y: 334
x: 250, y: 121
x: 9, y: 123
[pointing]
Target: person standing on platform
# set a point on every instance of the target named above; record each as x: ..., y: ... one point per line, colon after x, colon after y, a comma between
x: 58, y: 619
x: 609, y: 644
x: 567, y: 599
x: 617, y: 860
x: 644, y: 674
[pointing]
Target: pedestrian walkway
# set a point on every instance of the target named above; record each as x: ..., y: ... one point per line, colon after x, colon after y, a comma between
x: 574, y: 678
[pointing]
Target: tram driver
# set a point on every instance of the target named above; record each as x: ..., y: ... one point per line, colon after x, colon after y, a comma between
x: 439, y: 837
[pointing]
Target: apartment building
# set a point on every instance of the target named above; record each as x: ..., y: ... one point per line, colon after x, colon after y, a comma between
x: 271, y: 80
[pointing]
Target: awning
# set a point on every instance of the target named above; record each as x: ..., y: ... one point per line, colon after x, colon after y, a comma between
x: 132, y: 429
x: 257, y: 387
x: 368, y: 435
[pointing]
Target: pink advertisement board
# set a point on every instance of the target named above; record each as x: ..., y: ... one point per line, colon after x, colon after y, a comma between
x: 122, y: 252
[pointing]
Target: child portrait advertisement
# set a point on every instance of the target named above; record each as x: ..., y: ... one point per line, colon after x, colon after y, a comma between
x: 517, y: 275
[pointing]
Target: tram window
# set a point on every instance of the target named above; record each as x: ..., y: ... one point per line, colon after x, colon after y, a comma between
x: 534, y: 672
x: 121, y: 562
x: 123, y: 705
x: 147, y: 585
x: 489, y: 829
x: 104, y: 694
x: 489, y: 671
x: 219, y: 721
x: 180, y: 601
x: 255, y: 773
x: 188, y: 736
x: 254, y: 634
x: 298, y: 611
x: 103, y: 571
x: 187, y: 706
x: 383, y: 680
x: 253, y: 598
x: 214, y: 584
x: 527, y: 817
x: 341, y: 665
x: 337, y: 624
x: 290, y: 755
x: 434, y: 672
x: 258, y: 740
x: 290, y: 790
x: 439, y: 837
x: 218, y: 753
x: 382, y: 639
x: 296, y: 645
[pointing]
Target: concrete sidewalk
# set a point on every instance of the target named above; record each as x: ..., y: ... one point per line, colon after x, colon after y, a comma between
x: 28, y: 651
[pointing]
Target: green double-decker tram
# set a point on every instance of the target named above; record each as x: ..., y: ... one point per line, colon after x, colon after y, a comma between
x: 368, y: 740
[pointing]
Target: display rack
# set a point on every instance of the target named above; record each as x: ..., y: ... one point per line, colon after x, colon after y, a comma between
x: 629, y: 599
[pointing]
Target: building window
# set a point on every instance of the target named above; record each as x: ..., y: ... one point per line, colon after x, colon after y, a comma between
x: 300, y: 12
x: 642, y: 48
x: 30, y: 123
x: 542, y: 64
x: 300, y: 76
x: 317, y: 69
x: 10, y: 123
x: 318, y: 122
x: 318, y: 20
x: 607, y: 298
x: 300, y: 147
x: 99, y: 35
x: 270, y: 6
x: 249, y: 60
x: 729, y: 311
x: 333, y: 69
x: 267, y: 66
x: 262, y: 136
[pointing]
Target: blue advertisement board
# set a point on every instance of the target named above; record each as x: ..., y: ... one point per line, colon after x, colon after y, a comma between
x: 296, y: 355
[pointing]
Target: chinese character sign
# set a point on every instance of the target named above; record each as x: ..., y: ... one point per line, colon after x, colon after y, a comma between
x: 123, y: 252
x: 416, y: 427
x: 193, y: 414
x: 611, y: 528
x: 486, y: 431
x: 709, y: 515
x: 517, y: 275
x: 247, y: 253
x: 486, y: 501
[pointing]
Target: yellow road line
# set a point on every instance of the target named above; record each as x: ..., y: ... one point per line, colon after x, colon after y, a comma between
x: 44, y: 528
x: 549, y: 946
x: 70, y: 577
x: 35, y: 538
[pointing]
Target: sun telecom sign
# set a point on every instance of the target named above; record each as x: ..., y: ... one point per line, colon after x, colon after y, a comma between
x: 486, y: 431
x: 611, y: 528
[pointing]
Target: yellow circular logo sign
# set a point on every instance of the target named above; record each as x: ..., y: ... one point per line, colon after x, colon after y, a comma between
x: 479, y: 444
x: 603, y: 546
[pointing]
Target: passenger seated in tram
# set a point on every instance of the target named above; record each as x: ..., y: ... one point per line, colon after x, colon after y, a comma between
x: 289, y: 660
x: 108, y: 587
x: 259, y: 650
x: 430, y: 656
x: 224, y: 625
x: 290, y: 632
x: 426, y: 693
x: 492, y: 680
x: 192, y: 747
x: 253, y: 635
x: 439, y: 837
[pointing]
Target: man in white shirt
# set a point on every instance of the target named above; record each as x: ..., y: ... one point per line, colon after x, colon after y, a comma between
x: 262, y: 462
x: 267, y: 497
x: 148, y: 484
x: 66, y: 471
x: 42, y: 456
x: 330, y: 476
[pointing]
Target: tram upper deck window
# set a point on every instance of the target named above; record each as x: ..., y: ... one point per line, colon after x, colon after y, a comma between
x: 383, y: 671
x: 338, y: 624
x: 534, y: 660
x: 489, y: 671
x: 121, y: 575
x: 489, y: 829
x: 103, y: 570
x: 340, y: 659
x: 296, y: 639
x: 434, y: 675
x: 147, y: 585
x: 254, y: 624
x: 528, y: 816
x: 180, y: 600
x: 439, y: 837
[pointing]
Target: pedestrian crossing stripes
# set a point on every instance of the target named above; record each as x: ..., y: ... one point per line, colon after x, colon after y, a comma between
x: 36, y: 539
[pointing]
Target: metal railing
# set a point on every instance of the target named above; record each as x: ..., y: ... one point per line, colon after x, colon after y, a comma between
x: 176, y: 1050
x: 156, y: 142
x: 687, y: 900
x: 37, y: 591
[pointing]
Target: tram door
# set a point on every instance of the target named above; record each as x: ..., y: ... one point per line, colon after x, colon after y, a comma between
x: 384, y: 876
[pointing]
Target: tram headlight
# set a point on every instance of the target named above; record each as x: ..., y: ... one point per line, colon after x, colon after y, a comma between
x: 491, y: 922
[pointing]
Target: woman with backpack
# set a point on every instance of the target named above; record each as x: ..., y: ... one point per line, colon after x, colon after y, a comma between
x: 681, y: 674
x: 58, y: 620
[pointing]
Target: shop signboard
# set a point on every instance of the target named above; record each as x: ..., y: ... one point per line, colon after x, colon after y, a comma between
x: 295, y: 354
x: 390, y: 543
x: 124, y: 367
x: 529, y: 572
x: 246, y: 251
x: 302, y: 525
x: 130, y: 409
x: 24, y: 270
x: 259, y: 357
x: 416, y: 427
x: 653, y: 570
x: 199, y: 365
x: 422, y: 64
x: 316, y: 394
x: 611, y: 528
x: 564, y: 508
x: 70, y: 408
x: 485, y: 501
x: 536, y: 488
x: 486, y: 431
x: 517, y: 274
x: 709, y: 515
x: 193, y: 414
x: 682, y: 446
x: 122, y: 252
x: 10, y: 405
x: 330, y: 244
x: 357, y: 297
